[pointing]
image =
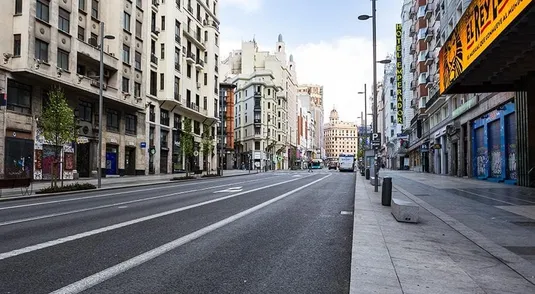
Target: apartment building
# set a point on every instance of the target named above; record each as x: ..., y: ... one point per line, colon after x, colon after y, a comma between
x: 306, y: 130
x: 182, y: 46
x: 315, y: 92
x: 340, y: 136
x: 265, y: 105
x: 394, y: 151
x: 51, y: 43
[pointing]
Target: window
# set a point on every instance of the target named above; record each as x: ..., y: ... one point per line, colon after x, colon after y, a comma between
x: 139, y: 27
x: 94, y: 9
x: 138, y: 3
x: 130, y: 124
x: 205, y: 79
x: 63, y: 59
x: 126, y: 21
x: 126, y: 85
x: 163, y: 23
x: 42, y: 10
x: 177, y: 59
x: 19, y: 97
x: 205, y: 103
x: 81, y: 34
x: 137, y: 60
x: 163, y: 139
x: 64, y: 22
x: 162, y: 81
x: 188, y: 71
x: 85, y: 111
x: 256, y: 145
x: 153, y: 83
x: 112, y: 120
x: 164, y: 117
x: 126, y: 54
x: 162, y: 51
x: 41, y: 50
x: 18, y: 6
x: 177, y: 88
x: 93, y: 40
x: 137, y: 90
x: 16, y: 45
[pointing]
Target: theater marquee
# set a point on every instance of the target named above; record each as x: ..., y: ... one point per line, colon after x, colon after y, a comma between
x: 399, y: 73
x: 482, y: 22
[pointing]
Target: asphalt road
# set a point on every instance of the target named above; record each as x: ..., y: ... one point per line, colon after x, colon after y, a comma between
x: 265, y: 233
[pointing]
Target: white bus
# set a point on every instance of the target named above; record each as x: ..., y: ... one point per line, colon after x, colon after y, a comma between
x: 346, y: 162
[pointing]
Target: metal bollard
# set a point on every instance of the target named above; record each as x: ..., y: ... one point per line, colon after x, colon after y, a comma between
x: 386, y: 196
x: 367, y: 172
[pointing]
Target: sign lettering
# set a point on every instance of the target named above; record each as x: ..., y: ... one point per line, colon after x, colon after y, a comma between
x: 399, y: 73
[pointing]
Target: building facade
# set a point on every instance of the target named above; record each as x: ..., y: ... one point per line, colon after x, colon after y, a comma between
x: 226, y: 128
x: 316, y: 108
x: 340, y: 136
x: 182, y: 81
x: 50, y: 43
x: 306, y: 130
x: 266, y: 105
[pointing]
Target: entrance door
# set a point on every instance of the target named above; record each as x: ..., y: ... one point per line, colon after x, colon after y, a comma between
x: 50, y: 168
x: 164, y: 156
x: 111, y: 163
x: 82, y: 160
x: 130, y: 161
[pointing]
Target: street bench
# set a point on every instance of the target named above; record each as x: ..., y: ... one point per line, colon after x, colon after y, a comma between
x: 25, y: 185
x: 405, y: 211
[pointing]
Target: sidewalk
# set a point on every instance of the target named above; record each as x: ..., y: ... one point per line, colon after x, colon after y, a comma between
x: 428, y: 257
x: 111, y: 183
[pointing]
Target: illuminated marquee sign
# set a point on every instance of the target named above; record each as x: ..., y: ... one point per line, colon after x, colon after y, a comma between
x: 399, y: 74
x: 482, y: 22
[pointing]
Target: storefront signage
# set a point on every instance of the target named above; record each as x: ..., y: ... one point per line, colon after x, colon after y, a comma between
x: 482, y: 22
x: 424, y: 147
x: 399, y: 73
x: 464, y: 107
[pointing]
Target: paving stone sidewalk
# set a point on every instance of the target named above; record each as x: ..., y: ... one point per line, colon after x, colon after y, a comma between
x: 427, y: 257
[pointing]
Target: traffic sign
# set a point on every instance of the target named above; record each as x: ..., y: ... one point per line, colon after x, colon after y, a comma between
x: 376, y: 140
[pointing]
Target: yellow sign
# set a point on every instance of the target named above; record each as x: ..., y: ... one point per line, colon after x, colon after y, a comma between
x: 399, y: 73
x: 482, y: 22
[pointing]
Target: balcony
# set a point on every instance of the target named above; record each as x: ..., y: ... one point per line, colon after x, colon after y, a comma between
x: 412, y: 31
x: 190, y: 57
x: 199, y: 64
x: 153, y: 58
x: 422, y: 79
x: 413, y: 48
x: 195, y: 37
x: 413, y: 85
x: 177, y: 66
x: 257, y: 121
x: 178, y: 39
x: 413, y: 67
x: 93, y: 53
x: 192, y: 106
x: 178, y: 98
x: 429, y: 58
x: 430, y: 82
x: 429, y: 35
x: 257, y: 94
x: 429, y: 10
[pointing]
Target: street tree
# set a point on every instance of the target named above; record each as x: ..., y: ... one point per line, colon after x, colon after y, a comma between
x: 58, y: 124
x: 207, y: 146
x: 186, y: 142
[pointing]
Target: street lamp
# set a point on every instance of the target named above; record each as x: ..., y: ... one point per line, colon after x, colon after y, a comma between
x: 100, y: 86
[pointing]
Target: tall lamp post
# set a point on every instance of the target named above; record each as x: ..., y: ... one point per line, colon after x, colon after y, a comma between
x: 374, y: 88
x: 365, y: 113
x: 100, y: 102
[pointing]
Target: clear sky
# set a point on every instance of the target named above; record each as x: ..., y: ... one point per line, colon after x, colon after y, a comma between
x: 330, y: 45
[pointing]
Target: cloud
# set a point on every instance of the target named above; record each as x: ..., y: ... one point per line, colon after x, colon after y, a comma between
x: 342, y: 66
x: 248, y: 6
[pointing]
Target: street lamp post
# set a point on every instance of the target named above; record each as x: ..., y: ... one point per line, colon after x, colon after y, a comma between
x: 365, y: 113
x: 100, y: 102
x: 374, y: 88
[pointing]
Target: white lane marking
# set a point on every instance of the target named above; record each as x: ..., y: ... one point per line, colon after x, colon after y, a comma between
x: 346, y: 212
x: 122, y: 267
x: 167, y: 186
x: 230, y: 190
x: 124, y: 206
x: 51, y: 243
x: 18, y: 221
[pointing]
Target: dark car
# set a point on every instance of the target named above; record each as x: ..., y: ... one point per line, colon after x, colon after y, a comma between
x: 333, y: 165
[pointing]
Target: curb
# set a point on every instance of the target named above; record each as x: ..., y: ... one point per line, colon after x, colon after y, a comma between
x: 516, y: 263
x: 34, y: 196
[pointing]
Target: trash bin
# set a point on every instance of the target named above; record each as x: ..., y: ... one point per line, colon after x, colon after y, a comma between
x: 367, y: 172
x: 386, y: 196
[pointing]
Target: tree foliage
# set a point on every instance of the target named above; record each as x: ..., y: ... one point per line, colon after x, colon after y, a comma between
x: 207, y: 146
x: 186, y: 142
x: 58, y: 122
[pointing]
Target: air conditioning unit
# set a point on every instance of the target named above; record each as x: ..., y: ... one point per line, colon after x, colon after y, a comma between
x: 86, y: 129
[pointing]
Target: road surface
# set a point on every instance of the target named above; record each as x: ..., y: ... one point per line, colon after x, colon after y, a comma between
x: 282, y: 232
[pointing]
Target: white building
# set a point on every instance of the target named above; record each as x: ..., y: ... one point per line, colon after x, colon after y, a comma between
x: 51, y: 42
x: 182, y: 81
x: 407, y: 63
x: 392, y: 129
x: 306, y: 129
x: 265, y: 105
x: 316, y: 108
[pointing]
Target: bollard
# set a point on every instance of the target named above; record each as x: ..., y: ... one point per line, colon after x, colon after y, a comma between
x: 367, y: 172
x: 386, y: 196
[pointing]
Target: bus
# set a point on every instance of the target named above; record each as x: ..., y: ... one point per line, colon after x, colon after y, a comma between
x: 317, y: 163
x: 346, y: 162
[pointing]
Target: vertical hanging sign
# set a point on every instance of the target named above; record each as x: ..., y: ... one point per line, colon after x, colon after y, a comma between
x: 399, y: 74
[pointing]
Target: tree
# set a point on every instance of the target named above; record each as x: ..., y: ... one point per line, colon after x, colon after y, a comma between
x: 207, y: 145
x: 58, y: 124
x: 186, y: 142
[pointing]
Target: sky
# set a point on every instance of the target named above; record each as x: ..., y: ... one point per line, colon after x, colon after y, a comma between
x: 331, y: 47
